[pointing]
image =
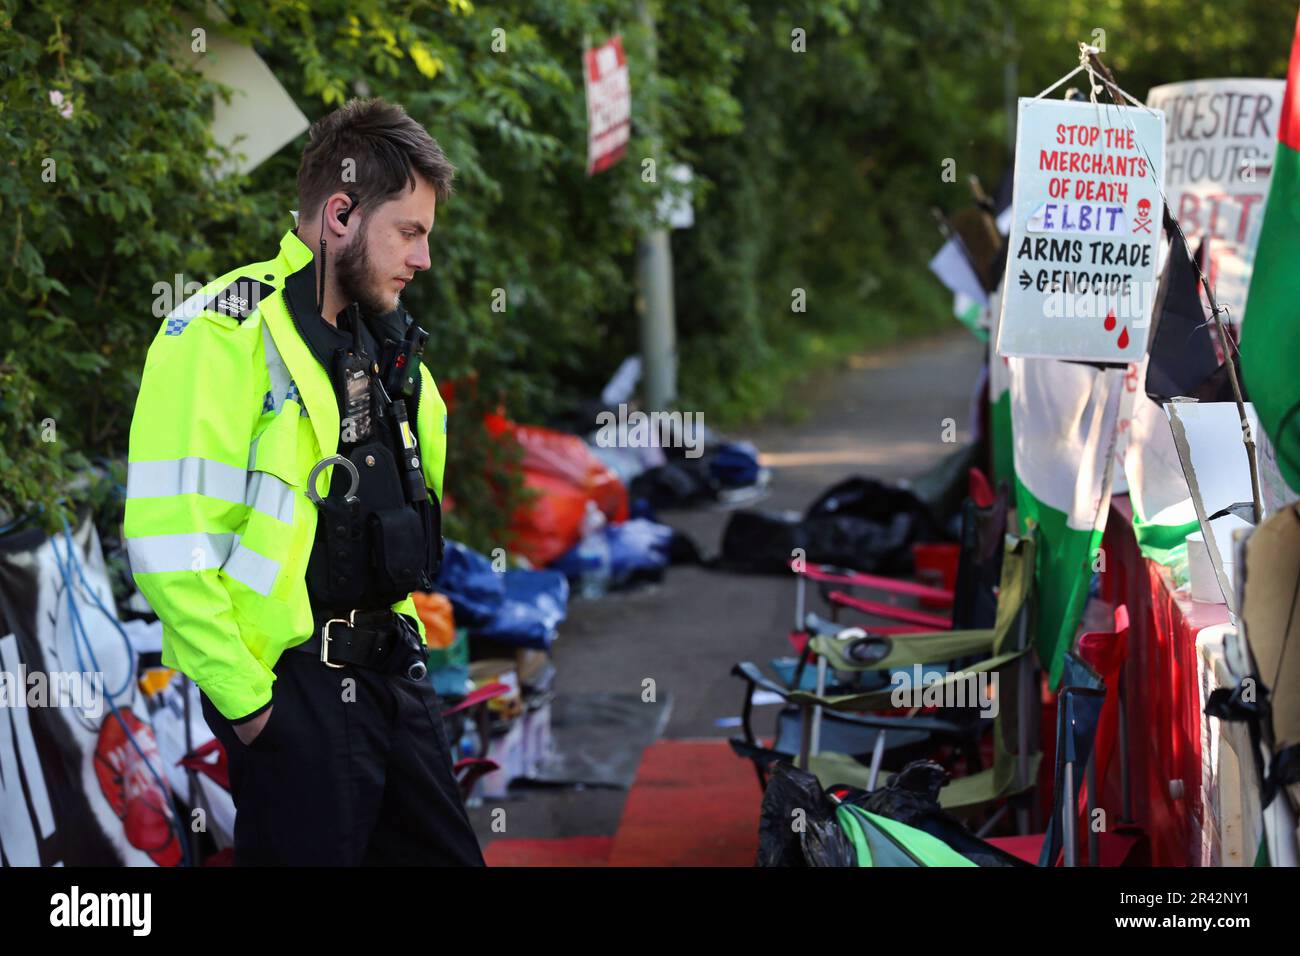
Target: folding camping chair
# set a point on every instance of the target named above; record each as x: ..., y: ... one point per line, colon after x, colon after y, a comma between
x: 972, y: 599
x: 473, y: 707
x: 1006, y: 645
x: 848, y: 733
x: 1081, y: 714
x: 1078, y: 709
x: 881, y: 841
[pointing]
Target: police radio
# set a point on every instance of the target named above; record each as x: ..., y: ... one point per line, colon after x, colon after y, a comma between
x: 400, y: 370
x: 401, y: 362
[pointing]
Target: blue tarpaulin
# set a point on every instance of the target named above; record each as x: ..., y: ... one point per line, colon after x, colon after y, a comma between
x: 535, y: 604
x: 522, y: 608
x: 636, y: 547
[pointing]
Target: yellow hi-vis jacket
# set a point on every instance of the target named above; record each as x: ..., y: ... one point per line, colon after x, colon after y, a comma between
x: 233, y: 412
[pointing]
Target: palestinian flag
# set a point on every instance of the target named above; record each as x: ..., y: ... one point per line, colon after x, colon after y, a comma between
x: 1063, y: 420
x: 1163, y: 513
x: 1271, y: 338
x: 1182, y: 361
x: 999, y: 401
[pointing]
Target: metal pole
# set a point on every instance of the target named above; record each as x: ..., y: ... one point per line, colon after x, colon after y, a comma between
x: 877, y: 758
x: 1022, y: 723
x: 1094, y: 838
x: 800, y: 583
x: 817, y: 711
x: 1067, y: 816
x: 805, y: 736
x: 1125, y: 781
x: 654, y: 274
x: 1009, y: 81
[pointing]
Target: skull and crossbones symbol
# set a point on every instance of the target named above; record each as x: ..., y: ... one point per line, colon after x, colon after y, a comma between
x: 1143, y: 221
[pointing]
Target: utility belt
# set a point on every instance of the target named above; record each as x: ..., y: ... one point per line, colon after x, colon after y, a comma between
x: 379, y: 640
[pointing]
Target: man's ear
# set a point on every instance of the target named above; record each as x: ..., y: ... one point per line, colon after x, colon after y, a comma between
x: 343, y: 212
x: 352, y: 198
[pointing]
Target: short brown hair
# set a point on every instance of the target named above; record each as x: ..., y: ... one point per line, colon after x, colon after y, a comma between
x: 387, y: 148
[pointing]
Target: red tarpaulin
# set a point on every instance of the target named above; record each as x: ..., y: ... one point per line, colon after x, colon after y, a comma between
x: 1163, y: 697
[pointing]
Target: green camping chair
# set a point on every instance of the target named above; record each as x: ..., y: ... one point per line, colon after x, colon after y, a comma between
x: 1016, y: 758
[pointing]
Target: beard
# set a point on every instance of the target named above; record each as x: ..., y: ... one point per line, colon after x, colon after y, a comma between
x: 357, y: 282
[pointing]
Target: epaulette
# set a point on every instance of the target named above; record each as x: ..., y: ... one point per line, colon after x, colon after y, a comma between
x: 240, y: 299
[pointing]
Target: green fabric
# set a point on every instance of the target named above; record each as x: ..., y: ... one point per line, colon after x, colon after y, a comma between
x: 906, y: 649
x: 1004, y: 452
x: 1062, y: 575
x: 873, y: 847
x: 928, y: 849
x: 1270, y: 332
x: 939, y: 646
x: 971, y: 319
x: 880, y: 841
x: 1163, y: 543
x: 853, y: 829
x: 880, y: 699
x: 1013, y: 594
x: 1002, y: 779
x: 970, y: 792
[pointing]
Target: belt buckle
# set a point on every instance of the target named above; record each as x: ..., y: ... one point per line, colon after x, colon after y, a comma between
x: 325, y: 638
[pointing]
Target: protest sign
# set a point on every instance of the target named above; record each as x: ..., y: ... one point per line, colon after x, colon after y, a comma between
x: 609, y: 104
x: 1085, y: 232
x: 1220, y: 140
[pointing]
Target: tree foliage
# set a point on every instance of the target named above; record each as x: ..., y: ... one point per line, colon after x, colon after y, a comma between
x: 816, y: 132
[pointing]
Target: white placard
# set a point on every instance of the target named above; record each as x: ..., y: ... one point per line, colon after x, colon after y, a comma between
x: 1085, y: 232
x: 1215, y: 464
x: 1221, y: 136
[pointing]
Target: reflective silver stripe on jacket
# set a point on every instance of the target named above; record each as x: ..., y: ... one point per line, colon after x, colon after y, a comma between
x: 253, y: 570
x: 201, y: 476
x: 185, y: 476
x: 160, y: 553
x: 163, y: 553
x: 271, y: 496
x: 276, y: 368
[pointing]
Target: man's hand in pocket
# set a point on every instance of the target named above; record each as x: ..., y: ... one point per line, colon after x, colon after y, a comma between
x: 248, y: 732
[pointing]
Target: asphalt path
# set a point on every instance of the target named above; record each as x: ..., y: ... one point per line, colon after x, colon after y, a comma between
x: 884, y: 415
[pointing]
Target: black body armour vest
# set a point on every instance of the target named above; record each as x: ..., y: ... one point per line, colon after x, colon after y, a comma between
x: 382, y: 541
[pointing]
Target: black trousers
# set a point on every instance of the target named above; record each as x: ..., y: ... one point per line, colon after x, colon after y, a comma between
x: 352, y: 768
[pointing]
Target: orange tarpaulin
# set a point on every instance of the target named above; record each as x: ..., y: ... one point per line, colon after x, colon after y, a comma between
x: 439, y: 621
x: 563, y: 473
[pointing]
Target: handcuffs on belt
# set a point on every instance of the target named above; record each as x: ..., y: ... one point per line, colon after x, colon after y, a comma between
x: 355, y: 475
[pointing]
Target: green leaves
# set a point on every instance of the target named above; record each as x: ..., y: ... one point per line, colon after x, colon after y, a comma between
x: 812, y: 170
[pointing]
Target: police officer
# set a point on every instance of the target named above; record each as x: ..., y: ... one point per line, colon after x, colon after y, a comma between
x: 283, y: 501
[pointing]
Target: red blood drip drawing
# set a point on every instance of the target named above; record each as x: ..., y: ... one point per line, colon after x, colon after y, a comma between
x: 1110, y: 322
x: 1123, y: 338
